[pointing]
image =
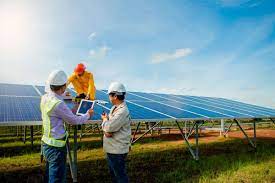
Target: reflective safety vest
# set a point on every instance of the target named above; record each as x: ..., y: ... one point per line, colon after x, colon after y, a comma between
x: 47, y: 107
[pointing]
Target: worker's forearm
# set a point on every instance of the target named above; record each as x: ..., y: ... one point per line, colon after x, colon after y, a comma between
x: 91, y: 88
x: 91, y: 92
x: 112, y: 125
x: 67, y: 115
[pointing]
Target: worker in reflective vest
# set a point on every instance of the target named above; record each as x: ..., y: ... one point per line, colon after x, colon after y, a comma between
x: 54, y: 115
x: 83, y: 82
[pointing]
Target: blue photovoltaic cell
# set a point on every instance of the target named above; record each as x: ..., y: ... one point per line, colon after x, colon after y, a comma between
x: 182, y: 105
x: 98, y: 110
x: 131, y: 97
x: 21, y: 103
x: 240, y: 109
x: 241, y: 106
x: 17, y: 90
x: 168, y: 110
x: 240, y: 112
x: 19, y: 109
x: 41, y: 89
x: 72, y: 92
x: 100, y: 95
x: 135, y: 111
x: 247, y: 106
x: 142, y: 113
x: 205, y: 105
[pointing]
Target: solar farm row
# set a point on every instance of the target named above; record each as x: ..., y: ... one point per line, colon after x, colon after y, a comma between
x: 20, y: 103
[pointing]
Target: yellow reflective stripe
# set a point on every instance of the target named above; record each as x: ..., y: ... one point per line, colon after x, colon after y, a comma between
x: 46, y: 109
x: 49, y: 107
x: 54, y: 142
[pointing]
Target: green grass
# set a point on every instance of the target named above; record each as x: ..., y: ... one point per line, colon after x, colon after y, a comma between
x: 151, y: 160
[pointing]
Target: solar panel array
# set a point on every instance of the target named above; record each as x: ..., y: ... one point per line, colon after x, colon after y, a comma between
x: 20, y: 103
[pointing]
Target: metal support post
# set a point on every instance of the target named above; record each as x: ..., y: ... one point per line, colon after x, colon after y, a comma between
x: 24, y: 134
x: 134, y: 135
x: 251, y: 143
x: 31, y: 129
x: 197, y: 141
x: 186, y: 141
x: 151, y: 128
x: 226, y: 132
x: 222, y: 127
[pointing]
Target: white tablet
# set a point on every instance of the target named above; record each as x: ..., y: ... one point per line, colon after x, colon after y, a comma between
x: 84, y: 106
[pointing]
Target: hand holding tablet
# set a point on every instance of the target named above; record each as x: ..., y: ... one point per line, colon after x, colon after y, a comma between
x: 85, y: 106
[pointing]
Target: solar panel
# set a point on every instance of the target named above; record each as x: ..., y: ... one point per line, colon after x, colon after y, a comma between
x: 41, y: 89
x: 17, y: 90
x: 15, y: 109
x: 234, y: 106
x: 19, y: 103
x: 240, y: 112
x: 204, y: 105
x: 203, y: 112
x: 253, y: 108
x: 137, y: 112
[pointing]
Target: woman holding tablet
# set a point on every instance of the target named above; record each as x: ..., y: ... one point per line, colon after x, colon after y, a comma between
x: 54, y: 115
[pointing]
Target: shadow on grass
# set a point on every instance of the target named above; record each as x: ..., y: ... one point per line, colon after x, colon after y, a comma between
x: 17, y: 139
x: 168, y: 165
x: 17, y: 147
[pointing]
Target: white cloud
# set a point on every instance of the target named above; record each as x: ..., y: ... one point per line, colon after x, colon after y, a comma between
x: 164, y: 57
x: 92, y: 36
x: 100, y: 52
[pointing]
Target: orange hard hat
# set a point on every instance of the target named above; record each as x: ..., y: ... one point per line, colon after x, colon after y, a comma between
x: 79, y: 68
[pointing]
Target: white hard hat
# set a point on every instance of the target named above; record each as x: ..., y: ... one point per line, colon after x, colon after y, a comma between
x: 57, y: 78
x: 117, y: 88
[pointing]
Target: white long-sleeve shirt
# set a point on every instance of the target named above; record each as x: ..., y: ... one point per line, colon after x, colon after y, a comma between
x: 119, y: 124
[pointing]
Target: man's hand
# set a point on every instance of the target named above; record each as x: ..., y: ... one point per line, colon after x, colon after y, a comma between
x: 67, y: 93
x: 87, y: 97
x: 104, y: 117
x: 91, y: 112
x: 108, y: 135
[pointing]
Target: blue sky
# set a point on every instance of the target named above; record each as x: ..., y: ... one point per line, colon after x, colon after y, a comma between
x: 221, y: 48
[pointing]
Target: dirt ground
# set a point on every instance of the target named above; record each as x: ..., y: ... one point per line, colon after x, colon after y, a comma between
x: 212, y: 136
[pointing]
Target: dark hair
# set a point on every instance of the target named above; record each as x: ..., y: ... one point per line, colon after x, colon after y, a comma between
x: 119, y: 97
x: 56, y: 87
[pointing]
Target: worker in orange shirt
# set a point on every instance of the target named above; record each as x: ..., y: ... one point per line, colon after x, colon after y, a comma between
x: 83, y: 82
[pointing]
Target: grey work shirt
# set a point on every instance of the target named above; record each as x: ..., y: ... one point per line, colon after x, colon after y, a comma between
x: 119, y: 124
